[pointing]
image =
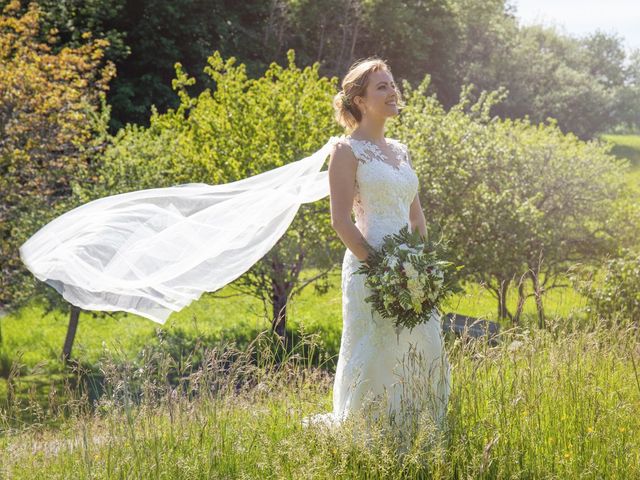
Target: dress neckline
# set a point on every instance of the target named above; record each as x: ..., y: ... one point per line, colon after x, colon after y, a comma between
x: 392, y: 145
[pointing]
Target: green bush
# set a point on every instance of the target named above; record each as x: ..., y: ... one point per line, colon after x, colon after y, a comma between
x: 617, y: 294
x: 508, y: 192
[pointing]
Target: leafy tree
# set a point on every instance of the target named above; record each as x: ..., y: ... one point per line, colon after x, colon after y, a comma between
x: 581, y: 82
x: 244, y: 127
x: 51, y: 124
x: 617, y: 295
x: 414, y: 36
x: 604, y: 58
x: 507, y: 192
x: 146, y: 38
x: 627, y: 103
x: 161, y: 33
x: 488, y: 31
x: 73, y: 19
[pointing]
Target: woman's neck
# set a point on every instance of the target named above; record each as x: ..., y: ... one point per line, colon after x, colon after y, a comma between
x: 370, y: 130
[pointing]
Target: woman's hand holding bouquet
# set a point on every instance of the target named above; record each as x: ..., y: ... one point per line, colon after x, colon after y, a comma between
x: 409, y: 276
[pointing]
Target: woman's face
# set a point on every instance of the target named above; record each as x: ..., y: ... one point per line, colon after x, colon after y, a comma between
x: 381, y: 97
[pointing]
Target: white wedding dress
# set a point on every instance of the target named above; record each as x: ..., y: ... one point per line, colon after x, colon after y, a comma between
x: 405, y: 377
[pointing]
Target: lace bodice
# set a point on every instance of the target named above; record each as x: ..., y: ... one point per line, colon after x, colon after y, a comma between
x: 385, y: 188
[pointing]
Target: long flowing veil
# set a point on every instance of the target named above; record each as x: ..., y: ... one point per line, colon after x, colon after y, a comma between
x: 152, y: 252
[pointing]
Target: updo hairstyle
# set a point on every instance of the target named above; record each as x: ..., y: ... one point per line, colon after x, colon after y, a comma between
x: 354, y: 84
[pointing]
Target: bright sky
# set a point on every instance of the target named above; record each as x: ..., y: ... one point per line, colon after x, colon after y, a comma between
x: 580, y: 17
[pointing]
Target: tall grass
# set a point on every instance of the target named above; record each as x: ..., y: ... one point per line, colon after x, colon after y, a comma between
x: 556, y: 403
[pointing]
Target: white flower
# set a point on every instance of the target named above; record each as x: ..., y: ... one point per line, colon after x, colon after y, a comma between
x: 410, y: 270
x: 514, y: 345
x: 392, y: 261
x: 416, y: 290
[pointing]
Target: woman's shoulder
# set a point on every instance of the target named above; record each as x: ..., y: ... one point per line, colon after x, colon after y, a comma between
x: 343, y: 150
x: 343, y: 144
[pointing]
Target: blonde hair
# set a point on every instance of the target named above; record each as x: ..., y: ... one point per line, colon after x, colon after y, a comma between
x: 354, y: 84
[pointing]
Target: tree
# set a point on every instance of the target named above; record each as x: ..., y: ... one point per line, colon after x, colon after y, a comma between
x: 627, y: 104
x: 72, y: 19
x: 160, y: 33
x: 507, y: 192
x: 581, y: 82
x: 244, y: 127
x: 617, y: 296
x: 52, y: 123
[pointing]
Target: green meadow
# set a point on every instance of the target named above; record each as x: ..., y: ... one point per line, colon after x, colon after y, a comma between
x: 555, y: 403
x: 625, y: 146
x: 499, y: 120
x: 560, y: 402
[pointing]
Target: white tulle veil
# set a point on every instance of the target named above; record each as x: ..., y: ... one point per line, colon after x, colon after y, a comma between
x: 152, y: 252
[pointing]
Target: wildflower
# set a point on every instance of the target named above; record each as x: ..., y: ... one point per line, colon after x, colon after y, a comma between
x: 514, y: 345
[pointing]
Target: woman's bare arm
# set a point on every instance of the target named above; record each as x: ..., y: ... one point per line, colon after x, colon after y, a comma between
x: 342, y: 179
x: 416, y: 217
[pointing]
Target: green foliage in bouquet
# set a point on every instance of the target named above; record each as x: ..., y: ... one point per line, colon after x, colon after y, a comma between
x: 409, y: 276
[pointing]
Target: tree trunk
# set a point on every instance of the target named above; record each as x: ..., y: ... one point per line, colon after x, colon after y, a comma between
x: 502, y: 299
x: 521, y: 300
x: 280, y: 316
x: 71, y: 333
x: 538, y: 296
x: 282, y: 286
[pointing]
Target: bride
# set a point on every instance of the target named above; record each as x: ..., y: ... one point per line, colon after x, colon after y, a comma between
x: 152, y: 252
x: 401, y: 379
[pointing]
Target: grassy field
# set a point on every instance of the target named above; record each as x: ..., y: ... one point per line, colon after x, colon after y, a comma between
x: 539, y: 402
x: 625, y: 146
x: 628, y: 147
x: 550, y: 403
x: 36, y: 338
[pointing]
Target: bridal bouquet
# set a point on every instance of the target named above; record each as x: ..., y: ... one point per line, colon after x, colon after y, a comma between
x: 409, y: 277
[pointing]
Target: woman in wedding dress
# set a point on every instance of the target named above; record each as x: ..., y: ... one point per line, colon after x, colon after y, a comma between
x: 401, y: 379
